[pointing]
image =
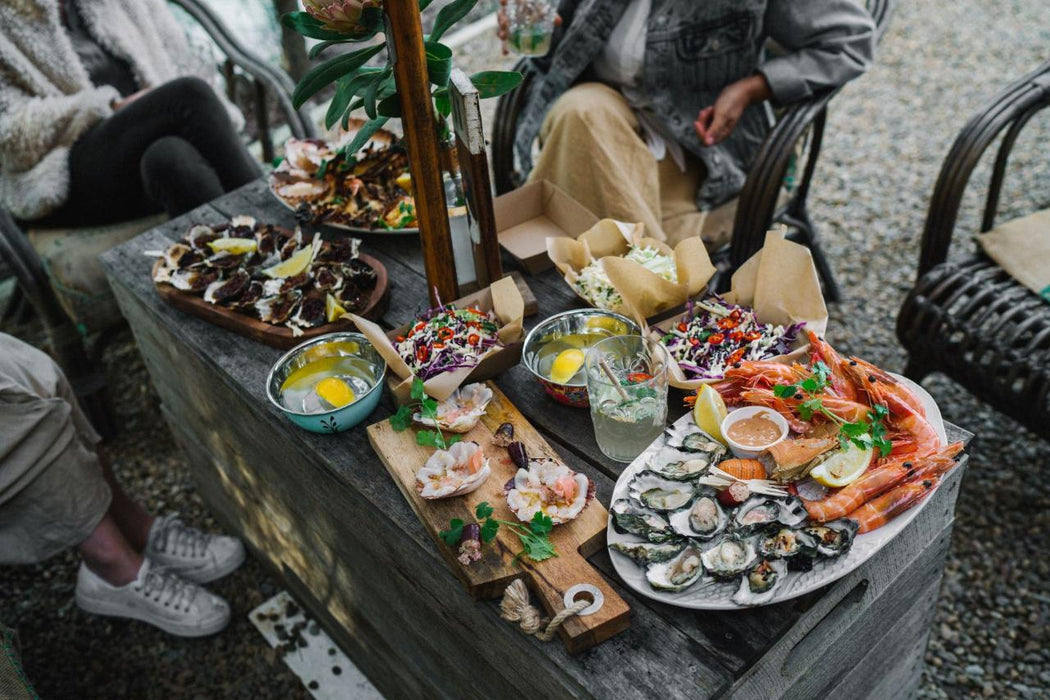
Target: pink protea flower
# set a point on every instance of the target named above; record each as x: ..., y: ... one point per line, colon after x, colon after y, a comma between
x: 341, y: 16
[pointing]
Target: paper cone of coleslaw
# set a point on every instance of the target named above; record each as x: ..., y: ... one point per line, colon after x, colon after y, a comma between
x: 502, y: 298
x: 642, y: 293
x: 780, y: 283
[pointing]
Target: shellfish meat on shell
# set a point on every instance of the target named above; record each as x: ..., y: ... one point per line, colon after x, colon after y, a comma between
x: 834, y: 538
x: 678, y: 573
x: 756, y: 513
x: 761, y: 582
x: 549, y: 487
x: 460, y: 469
x: 730, y: 558
x: 631, y: 518
x: 679, y: 466
x: 223, y: 291
x: 647, y: 552
x: 703, y: 519
x: 660, y: 494
x: 692, y: 439
x: 461, y: 411
x: 797, y: 547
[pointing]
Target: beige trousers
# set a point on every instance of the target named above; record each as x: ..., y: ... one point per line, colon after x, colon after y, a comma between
x: 592, y: 149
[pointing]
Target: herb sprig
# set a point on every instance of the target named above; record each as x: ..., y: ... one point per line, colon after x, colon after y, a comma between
x: 535, y: 538
x: 401, y: 420
x: 865, y: 434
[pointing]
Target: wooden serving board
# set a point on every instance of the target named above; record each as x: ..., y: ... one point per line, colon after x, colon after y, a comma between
x: 268, y: 334
x: 487, y: 578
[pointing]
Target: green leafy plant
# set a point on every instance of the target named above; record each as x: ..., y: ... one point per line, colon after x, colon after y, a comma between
x: 402, y: 419
x: 337, y: 22
x: 865, y: 434
x: 535, y: 538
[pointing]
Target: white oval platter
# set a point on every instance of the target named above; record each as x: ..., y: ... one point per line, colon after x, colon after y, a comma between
x: 718, y: 596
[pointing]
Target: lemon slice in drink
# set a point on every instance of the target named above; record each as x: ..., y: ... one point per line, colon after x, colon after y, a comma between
x: 335, y: 392
x: 612, y: 325
x: 292, y: 266
x: 842, y: 468
x: 234, y: 246
x: 565, y: 365
x: 709, y: 411
x: 333, y: 309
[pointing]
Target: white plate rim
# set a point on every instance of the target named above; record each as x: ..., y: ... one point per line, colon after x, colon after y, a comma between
x: 797, y: 583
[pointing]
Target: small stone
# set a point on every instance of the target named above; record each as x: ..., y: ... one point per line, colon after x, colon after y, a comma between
x: 974, y: 670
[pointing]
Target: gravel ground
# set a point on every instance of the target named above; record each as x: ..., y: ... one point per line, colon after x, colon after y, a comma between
x: 887, y: 136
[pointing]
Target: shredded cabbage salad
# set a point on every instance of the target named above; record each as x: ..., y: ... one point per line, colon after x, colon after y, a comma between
x: 595, y: 287
x: 446, y: 339
x: 714, y: 334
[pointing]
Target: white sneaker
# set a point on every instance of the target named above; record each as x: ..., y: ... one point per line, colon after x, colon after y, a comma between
x: 158, y: 596
x: 191, y: 553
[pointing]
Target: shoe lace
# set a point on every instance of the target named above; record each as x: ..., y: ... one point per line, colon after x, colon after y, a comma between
x: 181, y: 539
x: 167, y: 587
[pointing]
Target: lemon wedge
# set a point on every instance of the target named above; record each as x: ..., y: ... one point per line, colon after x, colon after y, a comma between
x: 234, y: 246
x: 404, y: 181
x: 333, y: 309
x: 294, y: 265
x: 335, y: 392
x: 709, y: 411
x: 842, y: 468
x: 565, y: 365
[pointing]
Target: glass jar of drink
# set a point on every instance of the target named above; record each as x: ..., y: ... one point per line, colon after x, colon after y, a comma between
x: 530, y: 25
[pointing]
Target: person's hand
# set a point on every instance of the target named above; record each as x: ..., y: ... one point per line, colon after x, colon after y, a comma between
x: 125, y: 101
x: 503, y: 25
x: 715, y: 123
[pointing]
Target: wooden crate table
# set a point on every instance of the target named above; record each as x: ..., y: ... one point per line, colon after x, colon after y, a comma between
x: 323, y: 512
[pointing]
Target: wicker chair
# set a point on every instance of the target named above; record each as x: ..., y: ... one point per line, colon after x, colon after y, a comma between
x: 69, y: 311
x: 795, y: 138
x: 970, y: 319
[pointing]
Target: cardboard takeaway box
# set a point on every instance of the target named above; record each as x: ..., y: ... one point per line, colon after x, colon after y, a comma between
x: 528, y: 216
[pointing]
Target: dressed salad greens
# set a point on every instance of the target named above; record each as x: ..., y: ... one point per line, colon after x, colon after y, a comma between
x: 595, y: 287
x: 446, y: 339
x: 714, y: 334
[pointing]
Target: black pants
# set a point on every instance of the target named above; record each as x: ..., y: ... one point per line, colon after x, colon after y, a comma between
x: 172, y: 149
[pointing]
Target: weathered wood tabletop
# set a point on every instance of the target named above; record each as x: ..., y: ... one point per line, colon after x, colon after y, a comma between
x: 324, y: 513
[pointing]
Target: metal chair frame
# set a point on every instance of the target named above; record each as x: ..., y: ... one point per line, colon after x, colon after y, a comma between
x: 970, y: 320
x: 65, y: 339
x: 757, y: 209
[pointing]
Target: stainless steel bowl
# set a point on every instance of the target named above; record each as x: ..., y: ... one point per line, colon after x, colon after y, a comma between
x: 568, y: 323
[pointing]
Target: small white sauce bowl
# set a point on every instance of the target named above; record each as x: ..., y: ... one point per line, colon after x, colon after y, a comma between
x: 745, y: 451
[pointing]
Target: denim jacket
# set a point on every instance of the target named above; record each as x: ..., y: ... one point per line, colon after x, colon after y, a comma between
x: 693, y: 50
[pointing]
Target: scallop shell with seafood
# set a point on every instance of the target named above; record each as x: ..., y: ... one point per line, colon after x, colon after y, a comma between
x: 460, y: 469
x: 549, y: 487
x: 461, y: 411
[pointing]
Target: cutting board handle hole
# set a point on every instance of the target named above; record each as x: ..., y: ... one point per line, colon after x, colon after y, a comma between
x: 587, y: 592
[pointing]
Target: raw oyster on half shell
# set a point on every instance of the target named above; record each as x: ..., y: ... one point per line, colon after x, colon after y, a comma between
x: 760, y: 584
x: 660, y: 494
x: 678, y: 573
x: 704, y: 518
x: 730, y: 558
x: 648, y: 552
x: 633, y: 519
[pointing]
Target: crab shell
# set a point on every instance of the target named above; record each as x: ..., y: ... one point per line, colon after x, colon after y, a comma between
x: 460, y: 412
x: 549, y: 487
x: 453, y: 472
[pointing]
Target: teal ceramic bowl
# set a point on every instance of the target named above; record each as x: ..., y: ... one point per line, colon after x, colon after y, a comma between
x: 333, y: 345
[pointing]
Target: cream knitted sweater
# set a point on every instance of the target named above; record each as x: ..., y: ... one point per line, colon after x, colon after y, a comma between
x: 47, y: 100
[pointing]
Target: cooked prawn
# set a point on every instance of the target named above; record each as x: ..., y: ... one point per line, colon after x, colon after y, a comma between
x: 841, y: 383
x: 879, y: 511
x: 882, y: 387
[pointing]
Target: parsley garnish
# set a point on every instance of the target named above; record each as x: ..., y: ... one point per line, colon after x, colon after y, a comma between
x: 402, y: 419
x: 865, y: 434
x: 535, y: 538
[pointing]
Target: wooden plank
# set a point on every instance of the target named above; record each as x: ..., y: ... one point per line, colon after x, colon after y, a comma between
x: 500, y: 563
x: 405, y: 46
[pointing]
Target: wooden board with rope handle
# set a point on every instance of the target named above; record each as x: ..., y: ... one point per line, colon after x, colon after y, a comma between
x: 490, y: 576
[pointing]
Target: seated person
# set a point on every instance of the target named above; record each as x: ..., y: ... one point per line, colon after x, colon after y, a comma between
x: 57, y: 490
x: 99, y: 121
x: 653, y: 110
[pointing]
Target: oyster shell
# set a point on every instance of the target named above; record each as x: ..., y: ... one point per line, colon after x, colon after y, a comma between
x: 310, y: 313
x: 242, y: 221
x: 284, y: 285
x: 200, y: 235
x: 692, y: 439
x: 678, y: 466
x: 648, y: 552
x: 834, y: 538
x: 729, y: 558
x: 227, y: 290
x: 678, y: 573
x: 224, y: 260
x: 461, y: 411
x: 797, y: 547
x: 551, y: 487
x: 179, y: 256
x: 704, y: 518
x: 761, y: 582
x: 193, y: 280
x: 757, y: 512
x: 453, y: 472
x: 278, y: 309
x: 660, y: 494
x: 633, y: 519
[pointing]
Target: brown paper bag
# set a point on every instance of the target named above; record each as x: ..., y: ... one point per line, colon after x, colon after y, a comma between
x: 780, y: 283
x: 502, y: 298
x: 644, y: 292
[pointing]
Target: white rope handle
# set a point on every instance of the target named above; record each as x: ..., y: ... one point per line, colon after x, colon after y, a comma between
x: 515, y: 607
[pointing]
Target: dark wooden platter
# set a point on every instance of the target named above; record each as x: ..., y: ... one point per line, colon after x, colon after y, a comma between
x: 269, y: 334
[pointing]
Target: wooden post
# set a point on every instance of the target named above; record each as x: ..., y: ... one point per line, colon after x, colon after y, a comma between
x: 474, y: 167
x: 405, y: 44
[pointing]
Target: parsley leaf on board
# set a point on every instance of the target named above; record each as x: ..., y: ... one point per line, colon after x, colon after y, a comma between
x: 454, y: 533
x: 402, y: 419
x: 489, y: 529
x: 482, y: 510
